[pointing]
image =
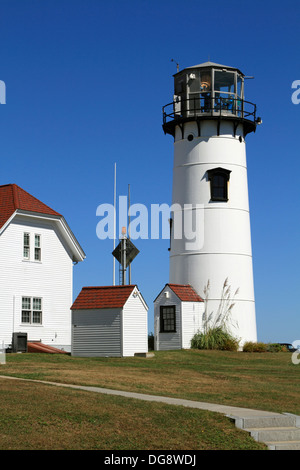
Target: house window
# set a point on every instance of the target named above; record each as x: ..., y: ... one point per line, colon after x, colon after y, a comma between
x: 31, y: 310
x: 37, y: 248
x: 26, y: 246
x: 219, y: 178
x: 167, y: 319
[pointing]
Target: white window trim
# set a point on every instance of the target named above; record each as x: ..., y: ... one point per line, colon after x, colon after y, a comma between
x: 27, y: 258
x: 39, y: 247
x: 32, y: 248
x: 31, y: 311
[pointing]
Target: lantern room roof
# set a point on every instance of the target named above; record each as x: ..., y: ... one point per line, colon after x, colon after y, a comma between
x: 211, y: 65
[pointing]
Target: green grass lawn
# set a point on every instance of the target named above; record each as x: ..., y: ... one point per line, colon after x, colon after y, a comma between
x: 37, y: 416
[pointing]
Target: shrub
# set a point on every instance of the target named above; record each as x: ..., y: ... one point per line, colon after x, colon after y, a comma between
x: 214, y: 338
x: 231, y: 344
x: 251, y: 346
x: 275, y: 347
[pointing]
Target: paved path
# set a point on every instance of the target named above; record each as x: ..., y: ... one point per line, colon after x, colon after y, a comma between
x: 227, y: 410
x: 279, y: 431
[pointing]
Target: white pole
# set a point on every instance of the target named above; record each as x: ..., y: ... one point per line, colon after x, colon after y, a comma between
x: 114, y: 260
x: 129, y: 229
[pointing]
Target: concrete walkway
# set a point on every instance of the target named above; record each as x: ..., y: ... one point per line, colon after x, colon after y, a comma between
x: 227, y: 410
x: 278, y: 431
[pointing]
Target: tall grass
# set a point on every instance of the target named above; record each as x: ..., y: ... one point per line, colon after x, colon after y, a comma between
x: 223, y: 316
x: 215, y: 333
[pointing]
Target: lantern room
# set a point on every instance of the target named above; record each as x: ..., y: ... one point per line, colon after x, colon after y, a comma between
x: 209, y: 90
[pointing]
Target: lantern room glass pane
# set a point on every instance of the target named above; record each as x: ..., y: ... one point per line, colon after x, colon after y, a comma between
x: 224, y: 82
x: 205, y: 81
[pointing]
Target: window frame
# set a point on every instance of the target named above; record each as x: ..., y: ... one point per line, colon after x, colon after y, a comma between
x: 211, y: 176
x: 162, y: 320
x: 37, y: 249
x: 31, y: 250
x: 31, y: 311
x: 26, y: 246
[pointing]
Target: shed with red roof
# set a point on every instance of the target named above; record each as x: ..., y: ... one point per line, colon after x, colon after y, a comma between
x: 178, y: 311
x: 109, y: 321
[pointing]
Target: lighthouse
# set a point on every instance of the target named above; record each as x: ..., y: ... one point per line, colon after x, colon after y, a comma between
x: 209, y: 120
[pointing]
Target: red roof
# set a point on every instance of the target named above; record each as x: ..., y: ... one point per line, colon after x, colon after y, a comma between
x: 102, y: 297
x: 12, y: 197
x: 184, y: 292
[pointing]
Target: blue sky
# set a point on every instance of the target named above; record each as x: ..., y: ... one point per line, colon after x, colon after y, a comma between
x: 86, y: 81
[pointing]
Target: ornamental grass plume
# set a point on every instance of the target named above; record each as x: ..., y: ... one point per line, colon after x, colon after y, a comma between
x: 215, y: 327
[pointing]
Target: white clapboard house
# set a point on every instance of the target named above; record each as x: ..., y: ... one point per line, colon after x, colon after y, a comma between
x: 37, y: 253
x: 178, y: 312
x: 109, y: 321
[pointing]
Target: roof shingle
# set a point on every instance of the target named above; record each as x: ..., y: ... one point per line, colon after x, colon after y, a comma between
x: 102, y: 297
x: 12, y: 197
x: 185, y: 292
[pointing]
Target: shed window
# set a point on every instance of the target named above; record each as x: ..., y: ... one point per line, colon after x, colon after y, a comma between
x: 167, y: 319
x: 219, y: 178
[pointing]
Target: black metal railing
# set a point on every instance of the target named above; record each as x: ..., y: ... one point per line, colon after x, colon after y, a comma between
x: 207, y: 105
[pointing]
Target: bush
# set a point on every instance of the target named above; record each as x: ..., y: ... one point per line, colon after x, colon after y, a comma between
x: 275, y: 347
x: 231, y: 344
x: 215, y: 338
x: 251, y: 346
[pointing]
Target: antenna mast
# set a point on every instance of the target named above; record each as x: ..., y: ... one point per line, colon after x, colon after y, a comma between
x: 177, y: 65
x: 129, y: 273
x: 114, y: 260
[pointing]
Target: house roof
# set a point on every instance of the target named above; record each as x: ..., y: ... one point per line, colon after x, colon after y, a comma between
x: 184, y: 292
x: 98, y: 297
x: 16, y: 201
x: 12, y: 198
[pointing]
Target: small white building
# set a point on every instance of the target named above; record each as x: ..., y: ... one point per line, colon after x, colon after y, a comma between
x: 178, y: 312
x: 109, y: 321
x: 37, y: 253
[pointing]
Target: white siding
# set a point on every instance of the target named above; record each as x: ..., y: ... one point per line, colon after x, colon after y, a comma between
x: 191, y: 321
x: 135, y: 326
x: 96, y: 333
x: 165, y: 341
x: 50, y: 279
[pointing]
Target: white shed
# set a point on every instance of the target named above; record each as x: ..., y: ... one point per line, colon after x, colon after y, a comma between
x: 109, y: 321
x: 178, y: 311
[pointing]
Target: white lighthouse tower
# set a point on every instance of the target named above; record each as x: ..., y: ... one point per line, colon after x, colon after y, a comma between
x: 209, y: 120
